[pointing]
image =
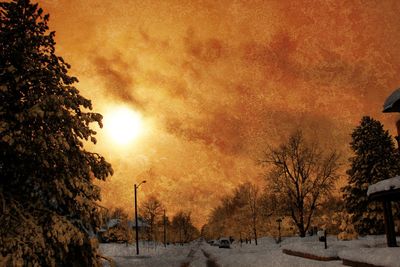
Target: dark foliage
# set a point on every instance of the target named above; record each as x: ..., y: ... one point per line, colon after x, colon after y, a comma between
x: 375, y: 159
x: 47, y: 196
x: 121, y: 232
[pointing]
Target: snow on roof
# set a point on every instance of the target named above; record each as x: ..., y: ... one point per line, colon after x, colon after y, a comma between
x: 391, y: 101
x: 113, y: 222
x: 141, y: 223
x: 385, y: 185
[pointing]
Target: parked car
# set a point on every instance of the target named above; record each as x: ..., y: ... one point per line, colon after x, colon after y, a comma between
x: 224, y: 243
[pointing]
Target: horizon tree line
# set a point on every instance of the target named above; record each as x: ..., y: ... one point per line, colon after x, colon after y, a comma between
x: 179, y: 229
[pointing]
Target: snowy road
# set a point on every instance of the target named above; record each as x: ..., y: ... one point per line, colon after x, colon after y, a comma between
x: 252, y: 256
x: 211, y: 262
x: 200, y: 254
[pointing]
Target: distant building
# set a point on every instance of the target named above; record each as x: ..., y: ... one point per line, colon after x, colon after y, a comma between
x: 110, y: 224
x: 142, y: 224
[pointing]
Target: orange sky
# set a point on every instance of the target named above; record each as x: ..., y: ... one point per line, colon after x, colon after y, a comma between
x: 216, y: 81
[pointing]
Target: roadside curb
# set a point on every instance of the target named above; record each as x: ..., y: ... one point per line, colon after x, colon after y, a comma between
x: 309, y: 256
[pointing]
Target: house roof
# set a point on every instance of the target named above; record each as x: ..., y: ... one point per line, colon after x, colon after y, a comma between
x: 141, y: 223
x: 385, y: 189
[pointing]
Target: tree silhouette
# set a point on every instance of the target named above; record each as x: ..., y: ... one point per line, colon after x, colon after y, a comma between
x: 48, y: 199
x: 183, y: 228
x: 301, y: 176
x: 152, y: 210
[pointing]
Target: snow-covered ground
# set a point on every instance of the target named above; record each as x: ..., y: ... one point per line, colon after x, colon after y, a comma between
x: 149, y: 254
x: 266, y: 253
x: 370, y: 249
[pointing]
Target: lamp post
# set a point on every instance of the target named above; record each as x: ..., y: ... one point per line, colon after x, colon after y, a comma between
x: 165, y: 230
x: 279, y: 229
x: 136, y: 218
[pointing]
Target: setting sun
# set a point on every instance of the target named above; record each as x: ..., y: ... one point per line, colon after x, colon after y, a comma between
x: 123, y: 125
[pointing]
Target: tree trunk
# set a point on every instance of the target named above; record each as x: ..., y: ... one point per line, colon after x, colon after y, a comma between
x: 302, y: 231
x: 301, y: 223
x: 255, y: 235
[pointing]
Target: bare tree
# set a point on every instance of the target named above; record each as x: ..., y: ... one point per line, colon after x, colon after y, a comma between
x: 301, y: 175
x: 183, y: 227
x: 249, y: 194
x: 254, y: 206
x: 224, y: 220
x: 239, y: 213
x: 152, y: 210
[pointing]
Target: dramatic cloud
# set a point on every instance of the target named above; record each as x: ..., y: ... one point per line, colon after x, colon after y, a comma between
x: 219, y: 81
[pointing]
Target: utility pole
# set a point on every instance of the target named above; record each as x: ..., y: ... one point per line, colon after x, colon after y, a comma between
x: 136, y: 218
x: 136, y: 223
x: 165, y: 230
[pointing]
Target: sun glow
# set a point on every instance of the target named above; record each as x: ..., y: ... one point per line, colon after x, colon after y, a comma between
x: 123, y: 125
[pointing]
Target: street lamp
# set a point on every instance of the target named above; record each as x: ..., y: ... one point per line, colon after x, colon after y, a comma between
x: 136, y: 217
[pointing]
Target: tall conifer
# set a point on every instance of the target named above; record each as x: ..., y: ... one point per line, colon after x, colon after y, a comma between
x: 375, y: 159
x: 48, y: 210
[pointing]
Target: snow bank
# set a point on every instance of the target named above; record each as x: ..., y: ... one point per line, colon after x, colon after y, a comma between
x: 266, y: 253
x: 384, y: 185
x: 315, y: 249
x: 389, y: 257
x: 150, y: 254
x: 311, y: 245
x: 369, y: 249
x: 117, y: 250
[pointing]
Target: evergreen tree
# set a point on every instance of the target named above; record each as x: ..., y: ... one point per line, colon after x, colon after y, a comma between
x: 48, y: 209
x: 375, y: 159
